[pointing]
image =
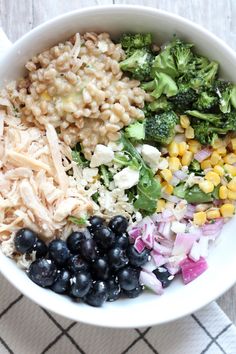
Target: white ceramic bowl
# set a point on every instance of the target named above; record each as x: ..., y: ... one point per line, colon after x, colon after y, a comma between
x: 178, y: 300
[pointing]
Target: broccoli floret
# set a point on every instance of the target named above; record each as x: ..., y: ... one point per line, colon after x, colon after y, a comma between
x: 182, y: 54
x: 135, y: 131
x: 138, y: 64
x: 162, y: 84
x: 215, y: 119
x: 165, y: 63
x: 195, y: 167
x: 160, y: 104
x: 205, y: 76
x: 206, y: 101
x: 130, y: 42
x: 161, y: 127
x: 184, y: 99
x: 226, y: 92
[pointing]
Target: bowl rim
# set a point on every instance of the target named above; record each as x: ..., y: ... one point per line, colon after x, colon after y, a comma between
x: 229, y: 281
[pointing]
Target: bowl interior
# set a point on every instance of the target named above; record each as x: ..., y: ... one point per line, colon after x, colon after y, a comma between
x: 178, y: 300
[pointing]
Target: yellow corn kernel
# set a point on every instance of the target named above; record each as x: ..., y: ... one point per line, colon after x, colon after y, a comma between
x: 231, y: 195
x: 166, y: 174
x: 218, y: 143
x: 184, y: 121
x: 233, y: 143
x: 173, y: 149
x: 227, y: 210
x: 205, y: 164
x: 168, y: 188
x: 221, y: 151
x: 183, y: 147
x: 215, y: 158
x: 230, y: 158
x: 189, y: 133
x: 187, y: 158
x: 213, y: 177
x: 160, y: 205
x: 174, y: 163
x: 206, y: 186
x: 230, y: 169
x: 223, y: 192
x: 194, y: 146
x: 199, y: 218
x: 232, y: 184
x: 213, y: 213
x: 219, y: 170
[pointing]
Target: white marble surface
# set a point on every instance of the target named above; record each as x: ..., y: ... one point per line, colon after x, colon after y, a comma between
x: 219, y: 16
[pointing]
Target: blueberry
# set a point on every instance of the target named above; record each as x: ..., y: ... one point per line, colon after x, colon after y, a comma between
x: 76, y: 264
x: 61, y: 285
x: 25, y: 239
x: 98, y: 294
x: 134, y: 292
x: 100, y: 269
x: 89, y: 250
x: 117, y: 258
x: 164, y: 276
x: 58, y: 251
x: 114, y: 290
x: 95, y: 223
x: 41, y: 248
x: 74, y: 241
x: 81, y: 284
x: 128, y: 278
x: 137, y: 259
x: 118, y: 224
x: 122, y: 241
x: 43, y: 272
x: 104, y: 237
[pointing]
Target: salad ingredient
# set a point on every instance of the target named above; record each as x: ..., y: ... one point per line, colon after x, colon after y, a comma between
x: 100, y: 269
x: 137, y: 259
x: 25, y: 240
x: 62, y: 283
x: 81, y: 284
x: 89, y: 250
x: 98, y: 294
x: 76, y: 264
x: 130, y: 42
x: 128, y: 278
x: 104, y: 237
x: 43, y: 272
x: 135, y: 131
x: 191, y: 270
x: 131, y: 294
x: 126, y: 178
x: 164, y: 276
x: 59, y: 251
x: 40, y: 248
x: 117, y: 258
x: 150, y: 281
x: 151, y: 156
x: 102, y: 155
x: 74, y: 241
x: 161, y: 127
x: 114, y: 290
x: 95, y: 222
x: 118, y: 224
x: 122, y: 241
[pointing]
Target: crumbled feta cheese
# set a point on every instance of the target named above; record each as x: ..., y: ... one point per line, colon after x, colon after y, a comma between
x: 151, y: 156
x: 102, y: 156
x: 178, y: 227
x: 89, y: 173
x: 114, y: 146
x: 126, y: 178
x: 163, y: 163
x: 192, y: 179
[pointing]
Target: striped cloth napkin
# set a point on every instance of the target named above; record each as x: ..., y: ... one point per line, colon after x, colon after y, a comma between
x: 25, y: 328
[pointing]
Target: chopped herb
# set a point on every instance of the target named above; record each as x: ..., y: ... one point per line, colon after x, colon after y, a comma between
x: 78, y: 221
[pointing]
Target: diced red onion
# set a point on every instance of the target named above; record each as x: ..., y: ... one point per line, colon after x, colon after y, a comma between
x: 139, y: 245
x: 158, y: 259
x: 202, y: 154
x: 151, y: 282
x: 174, y: 181
x: 191, y: 270
x: 167, y: 242
x: 181, y: 175
x: 163, y: 250
x: 134, y: 233
x: 195, y: 252
x: 148, y: 232
x: 213, y: 229
x: 183, y: 243
x: 190, y: 211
